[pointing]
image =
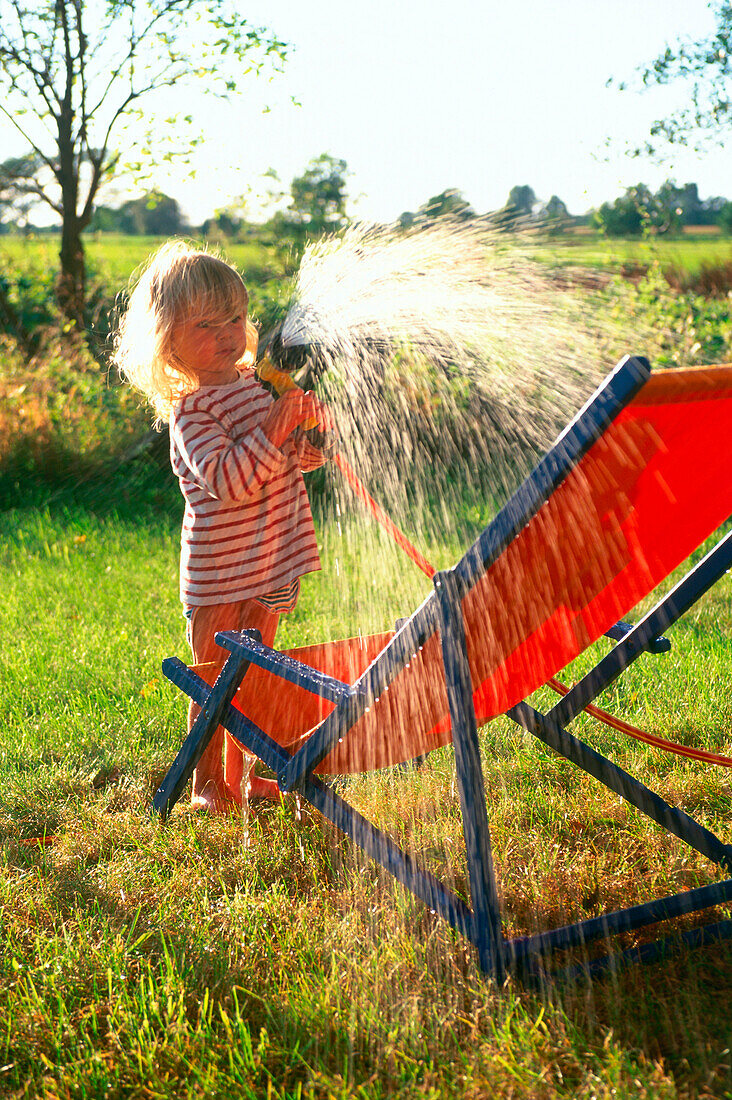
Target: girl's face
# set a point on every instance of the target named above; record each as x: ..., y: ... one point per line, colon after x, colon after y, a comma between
x: 209, y: 349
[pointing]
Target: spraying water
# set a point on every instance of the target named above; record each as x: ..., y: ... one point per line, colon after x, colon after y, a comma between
x: 450, y: 359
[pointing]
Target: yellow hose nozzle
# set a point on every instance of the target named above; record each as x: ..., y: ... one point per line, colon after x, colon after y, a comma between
x: 282, y: 382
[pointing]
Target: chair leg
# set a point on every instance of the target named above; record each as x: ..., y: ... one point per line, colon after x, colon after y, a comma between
x: 200, y: 735
x: 483, y: 891
x: 675, y: 821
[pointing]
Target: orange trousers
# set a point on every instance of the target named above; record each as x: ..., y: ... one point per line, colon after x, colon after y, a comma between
x: 211, y: 780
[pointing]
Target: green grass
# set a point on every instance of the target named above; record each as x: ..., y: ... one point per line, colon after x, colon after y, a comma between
x: 687, y: 251
x: 218, y: 958
x: 213, y: 958
x: 112, y: 258
x: 115, y: 255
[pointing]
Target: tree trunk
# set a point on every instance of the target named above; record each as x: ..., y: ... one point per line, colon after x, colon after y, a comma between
x: 71, y: 285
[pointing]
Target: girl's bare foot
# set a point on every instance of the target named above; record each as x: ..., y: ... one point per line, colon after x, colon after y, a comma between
x: 213, y: 800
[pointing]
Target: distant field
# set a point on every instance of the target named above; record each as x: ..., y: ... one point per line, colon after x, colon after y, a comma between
x: 113, y: 258
x: 32, y: 263
x: 688, y: 251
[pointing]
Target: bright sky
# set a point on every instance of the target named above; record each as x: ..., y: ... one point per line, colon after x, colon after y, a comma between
x: 480, y: 95
x: 474, y: 94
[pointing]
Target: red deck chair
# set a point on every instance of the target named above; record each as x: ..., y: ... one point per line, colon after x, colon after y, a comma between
x: 635, y: 484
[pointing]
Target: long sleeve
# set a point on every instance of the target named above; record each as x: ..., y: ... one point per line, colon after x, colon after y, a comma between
x: 226, y: 468
x: 247, y: 528
x: 309, y: 457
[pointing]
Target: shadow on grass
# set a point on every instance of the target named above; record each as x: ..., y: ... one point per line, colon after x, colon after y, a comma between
x: 130, y: 486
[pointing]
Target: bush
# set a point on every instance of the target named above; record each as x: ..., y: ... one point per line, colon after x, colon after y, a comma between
x: 61, y: 417
x: 713, y: 279
x: 677, y: 327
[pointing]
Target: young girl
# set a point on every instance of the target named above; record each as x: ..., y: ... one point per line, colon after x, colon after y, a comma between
x: 186, y: 343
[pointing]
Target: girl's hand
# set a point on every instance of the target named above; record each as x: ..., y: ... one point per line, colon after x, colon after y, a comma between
x: 326, y: 423
x: 288, y: 413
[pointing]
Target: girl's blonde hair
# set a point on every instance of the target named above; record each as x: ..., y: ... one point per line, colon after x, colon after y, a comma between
x: 177, y: 284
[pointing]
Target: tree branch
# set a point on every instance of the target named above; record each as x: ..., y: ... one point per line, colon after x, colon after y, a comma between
x: 31, y: 188
x: 134, y: 44
x: 40, y: 77
x: 36, y: 149
x: 82, y: 136
x: 707, y: 63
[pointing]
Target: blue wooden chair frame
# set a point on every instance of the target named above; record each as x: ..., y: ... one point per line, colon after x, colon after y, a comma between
x: 480, y: 923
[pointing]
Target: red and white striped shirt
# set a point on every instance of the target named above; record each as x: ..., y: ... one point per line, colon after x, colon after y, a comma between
x: 247, y: 528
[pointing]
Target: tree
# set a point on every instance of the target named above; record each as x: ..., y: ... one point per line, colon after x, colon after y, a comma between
x: 555, y: 215
x: 705, y: 67
x: 711, y: 210
x: 690, y: 208
x: 640, y: 211
x: 449, y: 203
x: 154, y: 215
x: 13, y: 172
x: 226, y: 224
x: 74, y: 72
x: 674, y: 205
x: 522, y: 199
x: 621, y: 218
x: 105, y: 219
x: 555, y: 208
x: 318, y: 197
x: 518, y: 209
x: 692, y: 211
x: 724, y: 218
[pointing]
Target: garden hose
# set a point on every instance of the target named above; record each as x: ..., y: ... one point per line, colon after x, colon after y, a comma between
x: 282, y: 382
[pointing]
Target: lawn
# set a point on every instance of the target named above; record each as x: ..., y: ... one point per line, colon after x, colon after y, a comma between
x: 28, y: 269
x: 112, y: 258
x: 221, y: 958
x: 267, y: 958
x: 688, y: 250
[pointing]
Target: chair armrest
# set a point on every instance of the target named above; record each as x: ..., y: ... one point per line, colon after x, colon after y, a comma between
x: 287, y: 668
x: 621, y: 628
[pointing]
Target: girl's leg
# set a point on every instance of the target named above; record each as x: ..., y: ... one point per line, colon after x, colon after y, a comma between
x: 240, y: 782
x: 208, y: 778
x: 218, y: 787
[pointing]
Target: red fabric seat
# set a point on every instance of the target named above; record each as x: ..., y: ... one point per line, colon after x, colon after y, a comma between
x: 642, y: 499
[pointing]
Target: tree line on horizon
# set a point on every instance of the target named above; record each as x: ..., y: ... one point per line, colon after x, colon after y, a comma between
x: 640, y: 210
x: 318, y: 205
x: 80, y: 83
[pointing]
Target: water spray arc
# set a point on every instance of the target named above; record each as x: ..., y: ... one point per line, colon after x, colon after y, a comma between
x: 450, y: 362
x: 281, y: 380
x: 279, y: 358
x: 430, y: 346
